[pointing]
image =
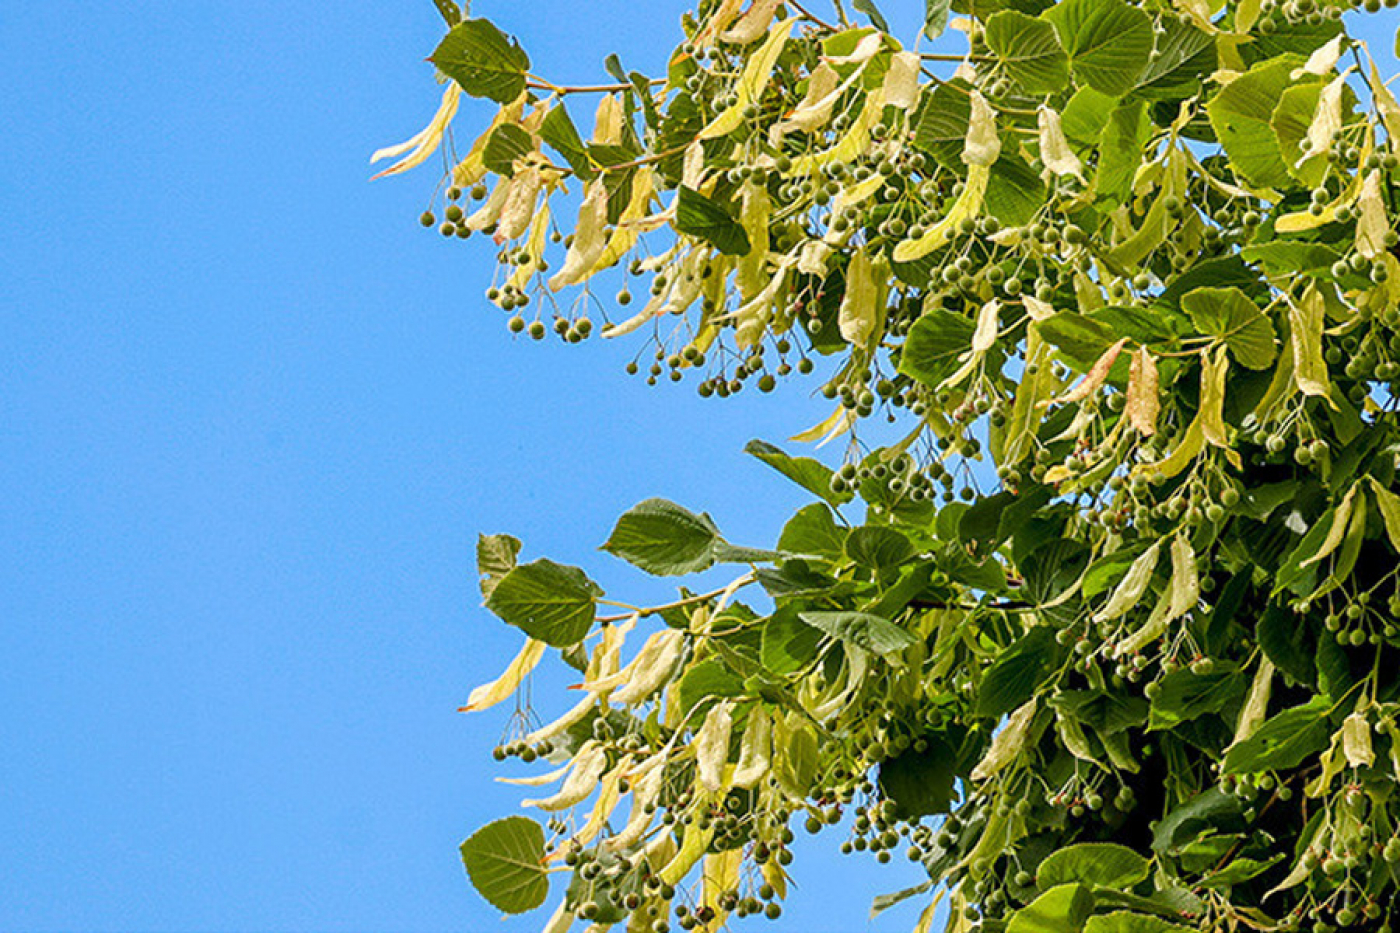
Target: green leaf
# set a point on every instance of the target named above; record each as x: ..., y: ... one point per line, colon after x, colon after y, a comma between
x: 698, y: 216
x: 1291, y: 257
x: 788, y: 643
x: 558, y: 130
x: 1097, y: 864
x: 1185, y: 57
x: 869, y: 9
x: 1183, y: 695
x: 1241, y: 870
x: 936, y: 17
x: 1125, y: 921
x: 664, y: 539
x: 1061, y: 909
x: 940, y: 126
x: 1290, y: 121
x: 812, y: 475
x: 862, y: 630
x: 1086, y: 115
x: 1081, y: 340
x: 1120, y: 151
x: 451, y: 12
x: 505, y: 862
x: 1105, y: 713
x: 878, y: 548
x: 1108, y: 41
x: 506, y: 143
x: 813, y: 530
x: 704, y: 683
x: 1209, y: 808
x: 1389, y: 505
x: 933, y: 345
x: 1051, y: 569
x: 1030, y: 50
x: 1016, y: 673
x: 483, y: 60
x: 1231, y: 315
x: 495, y: 557
x: 920, y: 783
x: 1284, y: 741
x: 1015, y: 193
x: 796, y: 756
x: 1287, y: 641
x: 549, y: 602
x: 1242, y: 112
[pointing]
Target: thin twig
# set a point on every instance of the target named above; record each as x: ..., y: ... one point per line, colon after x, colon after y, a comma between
x: 540, y: 84
x: 678, y: 604
x: 958, y: 59
x: 805, y: 12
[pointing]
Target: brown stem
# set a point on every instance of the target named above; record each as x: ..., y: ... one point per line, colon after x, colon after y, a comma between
x: 806, y: 13
x: 678, y: 604
x: 540, y: 84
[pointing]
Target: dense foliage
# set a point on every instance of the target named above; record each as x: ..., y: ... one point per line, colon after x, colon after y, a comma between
x: 1136, y: 256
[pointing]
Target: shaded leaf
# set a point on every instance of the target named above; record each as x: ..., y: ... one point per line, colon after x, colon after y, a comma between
x: 1097, y: 864
x: 861, y: 630
x: 701, y: 217
x: 1284, y: 741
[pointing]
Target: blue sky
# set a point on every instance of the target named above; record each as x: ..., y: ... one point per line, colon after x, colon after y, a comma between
x: 251, y: 420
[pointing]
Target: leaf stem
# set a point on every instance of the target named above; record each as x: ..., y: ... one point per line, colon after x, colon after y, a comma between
x: 745, y: 580
x: 958, y: 59
x: 809, y: 15
x: 537, y: 83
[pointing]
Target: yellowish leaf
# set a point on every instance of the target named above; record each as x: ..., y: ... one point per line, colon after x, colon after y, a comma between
x: 653, y: 666
x: 1309, y: 366
x: 1186, y: 581
x: 1143, y: 401
x: 1327, y: 118
x: 968, y: 204
x: 1389, y: 505
x: 519, y: 208
x: 902, y: 81
x: 1212, y: 411
x: 1008, y: 743
x: 1356, y: 741
x: 584, y: 774
x: 1372, y: 225
x: 1323, y: 60
x: 1055, y: 152
x: 589, y: 241
x: 755, y: 749
x: 839, y: 423
x: 1094, y: 381
x: 752, y: 82
x: 1341, y: 517
x: 712, y: 746
x: 1134, y: 583
x: 488, y: 695
x: 849, y: 147
x: 425, y: 142
x: 982, y: 145
x: 858, y: 311
x: 1256, y: 704
x: 752, y: 24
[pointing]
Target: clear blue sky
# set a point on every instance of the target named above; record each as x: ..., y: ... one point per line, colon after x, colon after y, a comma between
x: 251, y: 419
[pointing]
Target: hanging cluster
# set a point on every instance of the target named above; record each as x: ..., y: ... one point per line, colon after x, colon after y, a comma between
x: 1138, y: 673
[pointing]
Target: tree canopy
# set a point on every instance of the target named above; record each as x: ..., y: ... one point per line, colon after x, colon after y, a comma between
x: 1108, y: 642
